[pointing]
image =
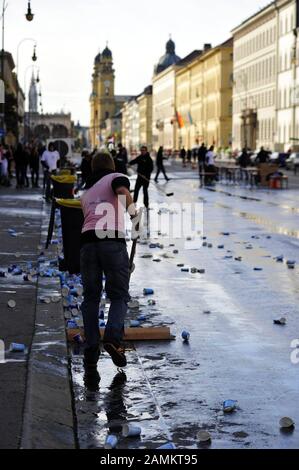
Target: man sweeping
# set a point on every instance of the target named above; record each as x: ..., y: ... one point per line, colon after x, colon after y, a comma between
x: 104, y: 251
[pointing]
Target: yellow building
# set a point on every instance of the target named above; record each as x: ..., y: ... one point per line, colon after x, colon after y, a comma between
x: 104, y: 105
x: 137, y: 118
x: 204, y: 98
x: 145, y: 103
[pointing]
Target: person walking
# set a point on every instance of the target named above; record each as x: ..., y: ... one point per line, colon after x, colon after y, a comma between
x: 201, y: 157
x: 85, y: 167
x: 160, y: 165
x: 103, y: 250
x: 189, y: 157
x: 183, y: 156
x: 210, y: 169
x: 145, y: 167
x: 34, y: 166
x: 26, y: 160
x: 50, y: 159
x: 19, y: 165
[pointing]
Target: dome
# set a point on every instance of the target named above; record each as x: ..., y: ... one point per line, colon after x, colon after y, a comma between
x: 168, y: 59
x: 107, y: 53
x: 98, y: 58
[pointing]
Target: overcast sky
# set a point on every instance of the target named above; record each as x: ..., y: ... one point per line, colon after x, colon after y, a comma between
x: 70, y: 33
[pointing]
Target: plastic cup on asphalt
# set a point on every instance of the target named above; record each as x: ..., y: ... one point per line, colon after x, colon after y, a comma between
x: 286, y: 423
x: 186, y: 336
x: 148, y: 291
x: 204, y: 437
x: 280, y: 321
x: 131, y: 430
x: 15, y: 347
x: 229, y: 406
x: 111, y: 442
x: 12, y: 303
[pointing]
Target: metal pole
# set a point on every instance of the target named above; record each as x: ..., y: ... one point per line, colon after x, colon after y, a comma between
x: 2, y: 65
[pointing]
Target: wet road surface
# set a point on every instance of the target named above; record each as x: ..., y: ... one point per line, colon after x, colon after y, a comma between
x: 172, y: 389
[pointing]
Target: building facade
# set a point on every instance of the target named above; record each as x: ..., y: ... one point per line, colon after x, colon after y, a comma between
x: 145, y: 104
x: 265, y: 97
x: 13, y: 110
x: 204, y: 97
x: 130, y: 125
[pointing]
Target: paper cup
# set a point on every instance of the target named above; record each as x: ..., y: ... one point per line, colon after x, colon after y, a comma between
x: 111, y: 442
x: 204, y: 437
x: 286, y: 423
x: 130, y: 430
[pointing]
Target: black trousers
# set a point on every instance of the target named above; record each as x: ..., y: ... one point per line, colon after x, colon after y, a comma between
x: 141, y: 183
x: 34, y: 176
x: 160, y: 169
x: 20, y: 174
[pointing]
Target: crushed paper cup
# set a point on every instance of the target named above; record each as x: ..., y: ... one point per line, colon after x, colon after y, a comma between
x: 204, y: 437
x: 286, y: 423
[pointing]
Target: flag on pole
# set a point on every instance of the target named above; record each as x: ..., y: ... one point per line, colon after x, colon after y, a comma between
x: 190, y: 118
x: 180, y: 120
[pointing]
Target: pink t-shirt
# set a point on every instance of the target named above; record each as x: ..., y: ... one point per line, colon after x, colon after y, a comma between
x: 102, y: 208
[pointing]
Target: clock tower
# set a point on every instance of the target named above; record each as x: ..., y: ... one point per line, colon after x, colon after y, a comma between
x: 102, y: 99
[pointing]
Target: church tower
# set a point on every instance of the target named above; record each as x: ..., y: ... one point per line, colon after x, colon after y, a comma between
x: 102, y: 100
x: 33, y: 96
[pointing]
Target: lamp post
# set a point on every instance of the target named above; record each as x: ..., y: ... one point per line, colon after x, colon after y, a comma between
x: 29, y: 16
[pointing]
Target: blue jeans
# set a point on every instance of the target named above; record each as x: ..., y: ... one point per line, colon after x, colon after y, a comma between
x: 110, y: 257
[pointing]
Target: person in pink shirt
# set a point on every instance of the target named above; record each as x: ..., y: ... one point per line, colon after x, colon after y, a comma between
x: 103, y: 250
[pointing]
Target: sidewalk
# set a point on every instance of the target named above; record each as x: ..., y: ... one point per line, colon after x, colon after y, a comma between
x: 36, y: 409
x: 17, y: 325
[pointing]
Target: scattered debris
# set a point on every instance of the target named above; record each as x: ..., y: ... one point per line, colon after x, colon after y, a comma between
x: 186, y: 336
x: 131, y: 430
x: 204, y: 437
x: 111, y: 442
x: 12, y: 303
x: 148, y: 292
x: 281, y: 321
x: 15, y: 347
x: 229, y: 406
x: 286, y: 423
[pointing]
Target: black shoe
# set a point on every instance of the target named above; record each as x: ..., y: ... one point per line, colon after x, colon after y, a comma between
x: 117, y: 354
x: 92, y: 380
x: 91, y: 357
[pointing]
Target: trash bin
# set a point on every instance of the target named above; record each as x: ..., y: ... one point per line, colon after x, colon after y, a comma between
x: 72, y: 220
x: 63, y: 186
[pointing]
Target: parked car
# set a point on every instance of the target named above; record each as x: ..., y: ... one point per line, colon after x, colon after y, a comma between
x: 292, y: 163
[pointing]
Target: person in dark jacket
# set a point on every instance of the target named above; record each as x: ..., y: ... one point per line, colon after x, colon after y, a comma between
x: 85, y: 168
x: 34, y: 166
x: 120, y: 160
x: 145, y: 167
x: 244, y: 160
x: 26, y: 161
x: 19, y: 165
x: 160, y: 165
x: 201, y: 157
x: 183, y: 154
x: 263, y: 156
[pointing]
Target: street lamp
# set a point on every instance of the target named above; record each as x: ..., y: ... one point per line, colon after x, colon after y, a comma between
x: 34, y: 57
x: 29, y: 15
